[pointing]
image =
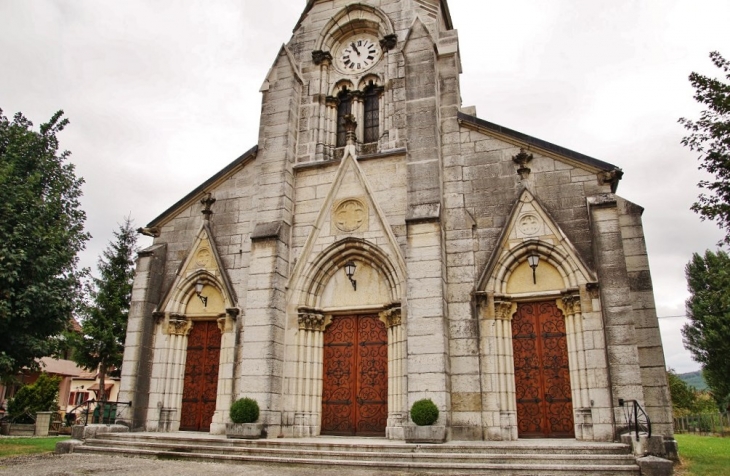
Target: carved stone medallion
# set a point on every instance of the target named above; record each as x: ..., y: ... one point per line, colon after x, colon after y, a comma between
x: 202, y: 258
x: 530, y: 224
x: 350, y: 215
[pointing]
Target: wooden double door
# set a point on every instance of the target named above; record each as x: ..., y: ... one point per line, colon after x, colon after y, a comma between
x: 542, y: 373
x: 200, y: 387
x: 355, y: 377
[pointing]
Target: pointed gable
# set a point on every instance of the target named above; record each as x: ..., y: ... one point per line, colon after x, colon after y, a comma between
x: 531, y: 230
x: 203, y: 264
x: 350, y: 223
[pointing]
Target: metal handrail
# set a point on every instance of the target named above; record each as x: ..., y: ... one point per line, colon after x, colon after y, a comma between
x: 636, y: 417
x: 89, y: 411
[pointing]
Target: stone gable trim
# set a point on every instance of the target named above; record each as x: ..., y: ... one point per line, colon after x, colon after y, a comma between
x: 215, y: 273
x: 556, y: 151
x: 271, y: 75
x: 563, y: 254
x: 202, y: 189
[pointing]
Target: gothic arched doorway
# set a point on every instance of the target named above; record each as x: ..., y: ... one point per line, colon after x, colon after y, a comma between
x: 200, y: 387
x: 355, y: 377
x: 542, y: 373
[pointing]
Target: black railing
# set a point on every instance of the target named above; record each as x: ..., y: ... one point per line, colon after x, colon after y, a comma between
x: 92, y: 411
x: 636, y: 417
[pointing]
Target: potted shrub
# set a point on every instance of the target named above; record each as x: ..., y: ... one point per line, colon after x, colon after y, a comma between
x: 244, y: 413
x: 424, y: 414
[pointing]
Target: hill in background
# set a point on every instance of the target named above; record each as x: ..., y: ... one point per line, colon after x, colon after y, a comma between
x: 694, y: 379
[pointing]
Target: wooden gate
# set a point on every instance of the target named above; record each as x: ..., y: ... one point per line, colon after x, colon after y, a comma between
x: 201, y: 376
x: 542, y: 374
x: 355, y: 390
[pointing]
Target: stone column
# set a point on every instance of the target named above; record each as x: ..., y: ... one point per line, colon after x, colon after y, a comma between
x: 324, y: 60
x: 308, y: 380
x: 358, y: 111
x: 569, y: 303
x: 330, y: 132
x: 499, y: 413
x: 168, y: 374
x: 226, y: 371
x: 396, y: 373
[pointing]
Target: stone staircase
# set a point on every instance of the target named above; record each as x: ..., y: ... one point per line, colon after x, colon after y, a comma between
x: 525, y: 457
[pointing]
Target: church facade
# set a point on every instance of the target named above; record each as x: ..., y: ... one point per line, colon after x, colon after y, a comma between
x: 380, y: 245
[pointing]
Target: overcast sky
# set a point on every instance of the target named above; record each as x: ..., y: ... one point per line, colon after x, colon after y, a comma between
x: 162, y: 94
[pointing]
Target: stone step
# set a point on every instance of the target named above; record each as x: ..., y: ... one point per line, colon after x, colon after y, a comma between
x: 355, y: 453
x: 381, y: 445
x: 503, y: 458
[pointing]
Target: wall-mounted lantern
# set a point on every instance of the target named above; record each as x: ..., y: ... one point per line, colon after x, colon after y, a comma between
x: 533, y: 261
x: 198, y: 291
x: 350, y: 272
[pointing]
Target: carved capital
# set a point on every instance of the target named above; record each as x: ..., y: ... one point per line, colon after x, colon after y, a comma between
x: 503, y: 310
x: 179, y: 327
x: 320, y: 57
x: 311, y: 320
x: 158, y: 316
x: 389, y: 42
x: 392, y: 317
x: 571, y: 304
x: 332, y: 101
x: 233, y: 312
x: 224, y: 324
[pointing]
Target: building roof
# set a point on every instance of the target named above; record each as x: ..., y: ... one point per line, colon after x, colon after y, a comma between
x: 201, y: 189
x: 534, y: 141
x: 87, y: 374
x: 53, y: 366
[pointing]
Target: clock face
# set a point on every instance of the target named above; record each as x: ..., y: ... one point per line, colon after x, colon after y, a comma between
x: 358, y: 53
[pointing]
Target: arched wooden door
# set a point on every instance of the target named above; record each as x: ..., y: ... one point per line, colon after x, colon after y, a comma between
x: 355, y: 374
x: 200, y: 387
x: 542, y: 374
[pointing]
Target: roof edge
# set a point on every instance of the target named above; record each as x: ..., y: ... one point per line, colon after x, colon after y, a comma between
x: 244, y: 158
x: 548, y: 146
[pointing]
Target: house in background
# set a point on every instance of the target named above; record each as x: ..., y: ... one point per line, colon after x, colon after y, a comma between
x: 67, y: 370
x: 86, y: 387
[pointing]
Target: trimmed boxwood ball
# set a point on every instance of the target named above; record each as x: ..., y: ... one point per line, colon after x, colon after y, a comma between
x: 245, y: 410
x: 424, y: 412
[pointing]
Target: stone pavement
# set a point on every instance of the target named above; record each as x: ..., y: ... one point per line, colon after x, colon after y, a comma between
x: 78, y: 464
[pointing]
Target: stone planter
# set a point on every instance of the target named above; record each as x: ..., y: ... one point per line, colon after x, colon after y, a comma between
x: 247, y: 431
x: 17, y: 429
x: 424, y: 434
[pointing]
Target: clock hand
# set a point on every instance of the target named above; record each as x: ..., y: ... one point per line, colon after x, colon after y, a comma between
x: 355, y: 48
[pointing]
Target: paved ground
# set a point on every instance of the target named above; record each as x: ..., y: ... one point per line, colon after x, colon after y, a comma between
x: 81, y: 464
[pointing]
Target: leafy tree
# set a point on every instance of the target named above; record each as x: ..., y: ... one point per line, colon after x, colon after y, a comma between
x: 710, y: 136
x: 707, y: 335
x: 40, y: 396
x: 41, y: 233
x: 683, y: 396
x: 104, y: 327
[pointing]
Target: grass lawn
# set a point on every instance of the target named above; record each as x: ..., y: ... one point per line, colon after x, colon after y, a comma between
x: 703, y: 455
x: 25, y: 446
